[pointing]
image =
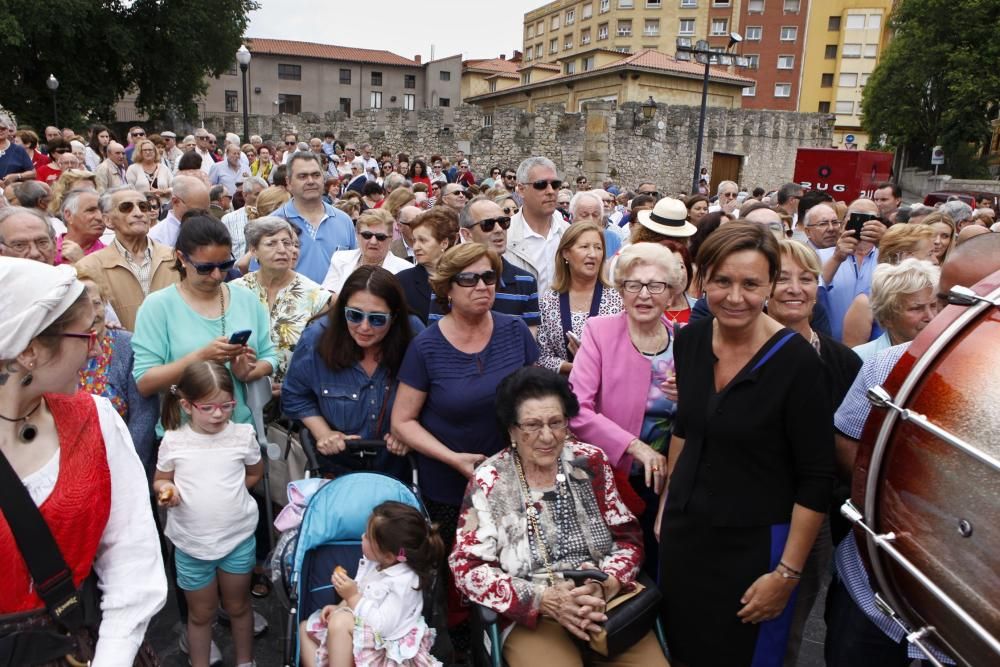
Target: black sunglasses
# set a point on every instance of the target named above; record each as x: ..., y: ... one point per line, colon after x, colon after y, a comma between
x: 289, y: 143
x: 541, y: 185
x: 208, y: 267
x: 470, y: 279
x: 456, y: 192
x: 488, y: 224
x: 367, y: 236
x: 127, y: 206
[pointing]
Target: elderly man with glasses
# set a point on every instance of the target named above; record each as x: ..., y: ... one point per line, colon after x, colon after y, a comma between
x: 203, y: 147
x: 453, y: 196
x: 536, y: 229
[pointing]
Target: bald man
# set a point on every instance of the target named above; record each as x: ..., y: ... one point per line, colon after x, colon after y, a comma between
x: 111, y: 172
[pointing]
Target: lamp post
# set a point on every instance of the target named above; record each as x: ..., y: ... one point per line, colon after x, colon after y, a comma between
x: 703, y: 53
x: 243, y: 58
x: 53, y: 84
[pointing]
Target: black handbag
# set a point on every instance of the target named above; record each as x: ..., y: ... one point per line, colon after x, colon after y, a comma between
x: 630, y: 615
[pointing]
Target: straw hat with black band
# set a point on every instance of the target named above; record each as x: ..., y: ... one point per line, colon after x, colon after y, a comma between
x: 668, y: 218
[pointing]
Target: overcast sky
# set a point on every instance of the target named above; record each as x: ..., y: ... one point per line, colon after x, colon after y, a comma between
x: 474, y: 28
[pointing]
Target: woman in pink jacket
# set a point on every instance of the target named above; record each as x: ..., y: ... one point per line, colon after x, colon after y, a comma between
x: 623, y: 378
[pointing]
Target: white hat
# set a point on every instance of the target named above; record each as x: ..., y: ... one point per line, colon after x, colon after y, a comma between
x: 168, y: 135
x: 669, y: 218
x: 34, y: 295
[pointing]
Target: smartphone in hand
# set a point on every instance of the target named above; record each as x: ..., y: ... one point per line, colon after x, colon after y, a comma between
x: 240, y: 337
x: 857, y: 221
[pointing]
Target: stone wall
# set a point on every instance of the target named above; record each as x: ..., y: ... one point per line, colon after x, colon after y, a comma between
x: 602, y: 141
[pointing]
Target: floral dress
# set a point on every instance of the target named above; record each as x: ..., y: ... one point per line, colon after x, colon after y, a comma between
x: 552, y: 340
x: 294, y: 306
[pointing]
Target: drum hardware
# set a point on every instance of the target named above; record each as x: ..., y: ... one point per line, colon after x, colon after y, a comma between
x: 880, y: 398
x: 965, y: 528
x: 963, y: 296
x: 884, y: 541
x: 913, y: 637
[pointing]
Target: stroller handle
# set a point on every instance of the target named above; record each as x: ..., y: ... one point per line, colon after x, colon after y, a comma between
x: 355, y: 446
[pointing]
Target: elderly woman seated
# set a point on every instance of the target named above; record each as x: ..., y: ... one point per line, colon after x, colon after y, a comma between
x: 543, y: 506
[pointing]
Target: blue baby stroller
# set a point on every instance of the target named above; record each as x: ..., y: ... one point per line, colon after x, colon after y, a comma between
x: 333, y: 522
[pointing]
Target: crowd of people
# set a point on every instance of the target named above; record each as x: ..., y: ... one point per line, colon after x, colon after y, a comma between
x: 611, y: 378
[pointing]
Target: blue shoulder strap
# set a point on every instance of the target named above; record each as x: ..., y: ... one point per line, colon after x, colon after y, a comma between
x: 770, y: 353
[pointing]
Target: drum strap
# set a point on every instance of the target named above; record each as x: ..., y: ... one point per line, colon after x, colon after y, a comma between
x: 53, y: 578
x: 770, y: 353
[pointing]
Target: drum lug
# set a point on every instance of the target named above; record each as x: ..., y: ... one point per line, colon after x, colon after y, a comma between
x: 915, y: 637
x: 853, y: 514
x: 879, y: 397
x: 965, y: 528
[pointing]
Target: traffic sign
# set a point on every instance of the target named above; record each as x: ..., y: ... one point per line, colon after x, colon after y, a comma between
x: 937, y: 155
x: 849, y: 139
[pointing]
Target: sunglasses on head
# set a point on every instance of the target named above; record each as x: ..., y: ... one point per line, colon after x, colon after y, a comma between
x: 127, y: 206
x: 470, y: 279
x: 206, y: 268
x: 488, y: 224
x: 511, y: 211
x: 542, y: 184
x: 357, y: 316
x: 368, y: 236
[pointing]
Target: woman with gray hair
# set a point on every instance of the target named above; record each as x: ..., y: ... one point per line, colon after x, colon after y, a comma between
x: 291, y: 298
x: 903, y: 302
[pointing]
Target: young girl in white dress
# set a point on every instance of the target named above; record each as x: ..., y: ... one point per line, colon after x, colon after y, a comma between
x: 379, y: 621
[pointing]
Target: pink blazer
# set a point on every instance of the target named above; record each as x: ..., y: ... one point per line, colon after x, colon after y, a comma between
x: 611, y: 380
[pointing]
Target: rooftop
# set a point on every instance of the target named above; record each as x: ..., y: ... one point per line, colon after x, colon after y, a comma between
x: 499, y: 65
x: 652, y: 59
x: 285, y: 47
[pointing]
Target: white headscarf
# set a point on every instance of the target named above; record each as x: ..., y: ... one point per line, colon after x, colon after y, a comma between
x: 32, y: 296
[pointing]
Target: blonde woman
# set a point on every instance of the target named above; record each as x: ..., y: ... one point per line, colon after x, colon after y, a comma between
x: 147, y: 173
x: 944, y: 233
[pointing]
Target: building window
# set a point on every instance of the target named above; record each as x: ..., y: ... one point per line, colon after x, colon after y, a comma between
x: 753, y: 61
x: 750, y: 91
x: 602, y: 31
x: 444, y: 75
x: 232, y: 103
x: 444, y: 101
x: 782, y: 90
x: 874, y: 22
x: 824, y: 107
x: 409, y: 101
x: 789, y: 33
x: 553, y: 45
x: 588, y: 11
x: 540, y: 28
x: 625, y: 28
x: 755, y: 7
x: 833, y: 24
x: 345, y: 76
x: 568, y: 43
x: 585, y: 36
x: 528, y: 53
x: 863, y: 81
x: 851, y: 51
x: 539, y: 52
x: 855, y: 21
x: 488, y: 120
x: 345, y: 105
x: 831, y: 52
x: 848, y: 80
x: 786, y: 62
x: 525, y: 78
x: 290, y: 72
x: 409, y: 81
x: 375, y: 99
x: 605, y: 6
x: 232, y: 70
x: 720, y: 27
x: 376, y: 79
x: 289, y: 103
x: 570, y: 16
x: 493, y: 86
x: 652, y: 28
x: 588, y: 63
x: 626, y: 4
x: 845, y: 107
x: 753, y: 32
x: 686, y: 27
x: 720, y: 3
x: 570, y: 67
x: 689, y: 3
x: 826, y: 80
x: 792, y: 6
x: 654, y: 4
x: 554, y: 24
x: 531, y: 31
x: 871, y: 50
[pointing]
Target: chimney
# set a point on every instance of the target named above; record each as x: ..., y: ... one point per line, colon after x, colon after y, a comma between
x: 516, y: 56
x: 417, y: 58
x: 503, y: 56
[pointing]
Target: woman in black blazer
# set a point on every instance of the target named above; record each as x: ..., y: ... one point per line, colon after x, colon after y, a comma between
x: 434, y: 231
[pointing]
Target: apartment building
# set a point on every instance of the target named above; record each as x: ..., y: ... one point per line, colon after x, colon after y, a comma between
x: 564, y: 29
x: 294, y: 77
x: 774, y: 33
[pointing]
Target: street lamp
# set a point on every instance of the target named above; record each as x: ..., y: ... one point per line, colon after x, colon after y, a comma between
x: 53, y: 84
x: 703, y: 53
x: 243, y: 58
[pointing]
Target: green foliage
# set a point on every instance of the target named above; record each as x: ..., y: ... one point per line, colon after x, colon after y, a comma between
x: 938, y: 81
x: 99, y: 50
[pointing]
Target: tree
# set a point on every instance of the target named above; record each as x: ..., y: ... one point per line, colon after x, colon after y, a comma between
x: 99, y: 50
x: 938, y: 80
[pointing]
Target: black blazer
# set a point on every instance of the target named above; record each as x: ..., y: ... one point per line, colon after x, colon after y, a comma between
x: 417, y: 290
x: 841, y: 364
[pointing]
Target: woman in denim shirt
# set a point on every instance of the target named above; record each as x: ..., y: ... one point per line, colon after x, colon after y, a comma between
x: 341, y: 381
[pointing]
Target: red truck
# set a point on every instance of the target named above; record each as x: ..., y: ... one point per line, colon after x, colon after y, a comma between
x: 846, y: 174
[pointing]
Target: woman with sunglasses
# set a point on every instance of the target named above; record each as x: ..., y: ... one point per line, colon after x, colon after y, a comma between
x: 146, y: 173
x: 448, y: 379
x: 341, y: 381
x: 374, y: 232
x: 508, y: 204
x: 70, y: 457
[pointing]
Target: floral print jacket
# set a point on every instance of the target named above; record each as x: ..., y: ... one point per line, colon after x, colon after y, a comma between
x: 495, y: 561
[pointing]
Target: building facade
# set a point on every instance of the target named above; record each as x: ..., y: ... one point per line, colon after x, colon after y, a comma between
x: 774, y: 33
x: 294, y: 77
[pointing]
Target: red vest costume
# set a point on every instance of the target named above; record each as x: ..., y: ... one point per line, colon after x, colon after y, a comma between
x: 77, y: 509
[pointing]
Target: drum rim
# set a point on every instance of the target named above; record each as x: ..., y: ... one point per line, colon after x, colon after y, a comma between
x: 916, y: 372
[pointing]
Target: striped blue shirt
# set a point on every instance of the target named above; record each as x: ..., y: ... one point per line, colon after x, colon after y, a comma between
x: 517, y: 295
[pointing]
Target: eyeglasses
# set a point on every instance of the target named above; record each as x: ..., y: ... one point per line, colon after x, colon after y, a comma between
x: 289, y: 143
x: 210, y: 408
x: 357, y: 316
x: 455, y: 192
x: 368, y: 236
x: 511, y: 210
x: 542, y: 184
x: 470, y: 279
x: 138, y: 134
x: 488, y: 224
x: 654, y: 194
x: 207, y: 268
x: 127, y: 206
x: 43, y: 243
x: 635, y: 286
x: 823, y: 224
x: 509, y: 176
x: 274, y: 243
x: 89, y: 336
x: 200, y: 137
x: 532, y: 427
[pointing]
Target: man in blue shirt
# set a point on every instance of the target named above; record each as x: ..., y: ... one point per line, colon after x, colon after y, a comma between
x: 325, y: 229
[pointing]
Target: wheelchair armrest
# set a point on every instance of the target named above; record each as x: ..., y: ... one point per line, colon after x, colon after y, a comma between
x: 486, y: 615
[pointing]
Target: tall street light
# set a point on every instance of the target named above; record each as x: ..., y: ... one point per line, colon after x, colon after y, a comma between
x: 53, y: 84
x: 243, y: 58
x: 702, y: 53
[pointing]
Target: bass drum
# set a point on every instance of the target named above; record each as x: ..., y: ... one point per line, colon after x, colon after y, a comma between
x: 928, y: 471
